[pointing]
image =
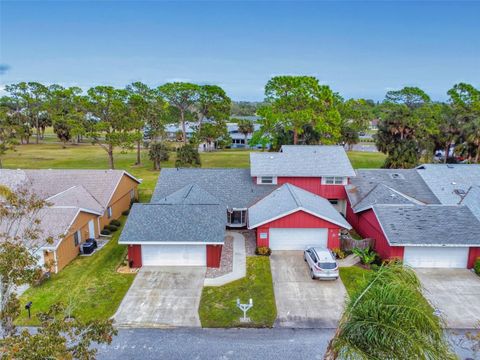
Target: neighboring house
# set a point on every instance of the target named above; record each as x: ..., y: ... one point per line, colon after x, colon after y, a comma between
x: 81, y: 203
x: 238, y: 138
x: 418, y: 215
x: 190, y: 206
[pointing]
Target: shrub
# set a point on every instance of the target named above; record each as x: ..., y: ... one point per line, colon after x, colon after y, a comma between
x: 115, y: 223
x: 263, y: 251
x: 126, y: 212
x: 158, y: 152
x: 476, y: 266
x: 105, y: 232
x: 111, y: 228
x: 367, y: 256
x: 187, y: 156
x: 339, y: 254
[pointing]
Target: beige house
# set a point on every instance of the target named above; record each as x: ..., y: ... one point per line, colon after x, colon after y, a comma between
x: 81, y: 203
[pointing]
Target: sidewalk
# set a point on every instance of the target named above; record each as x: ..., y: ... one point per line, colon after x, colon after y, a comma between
x: 239, y: 269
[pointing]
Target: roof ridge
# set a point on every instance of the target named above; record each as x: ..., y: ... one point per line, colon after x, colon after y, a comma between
x: 294, y: 196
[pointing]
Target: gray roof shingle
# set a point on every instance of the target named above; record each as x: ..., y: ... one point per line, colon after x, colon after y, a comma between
x: 189, y: 195
x: 77, y: 196
x: 472, y: 200
x: 159, y: 223
x: 381, y: 194
x: 361, y: 193
x: 234, y: 188
x: 302, y: 161
x: 289, y: 198
x: 428, y: 225
x: 450, y: 182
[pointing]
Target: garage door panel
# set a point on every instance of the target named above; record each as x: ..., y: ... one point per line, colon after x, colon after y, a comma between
x: 436, y: 257
x: 297, y: 238
x: 174, y: 255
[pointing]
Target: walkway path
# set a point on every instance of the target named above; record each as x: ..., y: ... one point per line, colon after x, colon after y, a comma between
x: 239, y: 269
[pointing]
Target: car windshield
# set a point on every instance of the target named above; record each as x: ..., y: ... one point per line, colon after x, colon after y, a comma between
x: 327, y: 265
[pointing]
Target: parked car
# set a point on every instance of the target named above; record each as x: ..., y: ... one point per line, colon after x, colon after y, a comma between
x: 321, y: 263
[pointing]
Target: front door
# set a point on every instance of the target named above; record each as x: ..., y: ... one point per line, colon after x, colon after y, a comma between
x: 91, y: 229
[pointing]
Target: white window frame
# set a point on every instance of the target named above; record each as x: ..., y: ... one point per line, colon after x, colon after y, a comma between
x: 109, y: 212
x: 261, y: 182
x: 334, y: 180
x: 132, y: 194
x: 243, y: 217
x: 78, y: 236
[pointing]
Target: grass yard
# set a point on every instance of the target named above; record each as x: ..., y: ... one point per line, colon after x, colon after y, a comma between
x: 353, y: 278
x: 218, y: 304
x: 90, y: 285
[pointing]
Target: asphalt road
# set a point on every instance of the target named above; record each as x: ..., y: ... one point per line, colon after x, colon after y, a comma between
x: 265, y: 344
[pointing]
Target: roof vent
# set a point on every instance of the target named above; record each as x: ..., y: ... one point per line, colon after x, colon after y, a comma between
x: 397, y: 176
x: 460, y: 192
x: 450, y: 166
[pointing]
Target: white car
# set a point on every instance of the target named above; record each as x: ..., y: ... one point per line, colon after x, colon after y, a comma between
x: 322, y: 263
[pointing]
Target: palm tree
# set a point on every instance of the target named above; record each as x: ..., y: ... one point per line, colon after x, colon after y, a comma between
x: 388, y: 318
x: 245, y: 127
x: 472, y: 130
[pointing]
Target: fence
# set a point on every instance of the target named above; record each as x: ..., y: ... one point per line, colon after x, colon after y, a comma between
x: 347, y: 243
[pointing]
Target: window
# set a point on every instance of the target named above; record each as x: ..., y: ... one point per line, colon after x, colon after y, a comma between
x: 237, y: 218
x: 77, y: 237
x: 333, y: 180
x: 132, y: 194
x: 267, y: 180
x: 333, y: 201
x: 109, y: 212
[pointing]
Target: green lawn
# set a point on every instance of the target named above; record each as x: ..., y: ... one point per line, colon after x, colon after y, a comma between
x: 218, y: 304
x: 353, y: 278
x: 90, y: 285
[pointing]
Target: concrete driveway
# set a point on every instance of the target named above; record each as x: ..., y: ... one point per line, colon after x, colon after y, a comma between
x: 456, y: 293
x: 301, y: 301
x: 163, y: 297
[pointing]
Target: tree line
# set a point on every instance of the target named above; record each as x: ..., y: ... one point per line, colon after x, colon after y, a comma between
x: 296, y: 110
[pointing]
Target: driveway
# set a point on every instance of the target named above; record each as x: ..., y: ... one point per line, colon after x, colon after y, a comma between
x: 303, y: 302
x: 163, y: 296
x: 456, y: 293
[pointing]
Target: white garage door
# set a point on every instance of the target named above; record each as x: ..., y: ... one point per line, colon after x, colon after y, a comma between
x: 435, y: 257
x: 174, y: 255
x: 297, y: 239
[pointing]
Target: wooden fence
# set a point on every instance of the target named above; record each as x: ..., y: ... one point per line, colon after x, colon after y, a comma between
x: 347, y: 243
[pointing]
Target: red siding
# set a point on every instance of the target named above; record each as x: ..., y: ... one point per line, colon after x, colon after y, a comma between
x: 300, y: 219
x: 214, y: 254
x: 315, y: 186
x: 473, y: 254
x: 368, y: 226
x: 135, y: 255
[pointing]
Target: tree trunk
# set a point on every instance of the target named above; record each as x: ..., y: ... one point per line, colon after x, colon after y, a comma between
x: 184, y: 130
x: 295, y: 137
x: 447, y: 150
x: 139, y: 158
x: 477, y: 157
x: 38, y: 131
x: 110, y: 156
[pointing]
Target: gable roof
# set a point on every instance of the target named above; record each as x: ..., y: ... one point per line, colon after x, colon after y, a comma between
x: 363, y: 190
x: 174, y: 224
x: 77, y: 196
x: 382, y: 194
x: 472, y: 200
x: 302, y: 161
x: 233, y: 188
x: 46, y: 183
x: 289, y: 199
x: 428, y: 225
x: 450, y: 182
x: 191, y: 194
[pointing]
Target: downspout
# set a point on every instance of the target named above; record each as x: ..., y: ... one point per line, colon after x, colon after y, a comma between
x: 55, y: 260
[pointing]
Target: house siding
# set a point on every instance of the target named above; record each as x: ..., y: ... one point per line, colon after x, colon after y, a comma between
x: 120, y: 200
x: 214, y: 255
x: 473, y: 255
x: 368, y: 226
x: 314, y: 185
x: 299, y: 219
x: 135, y: 255
x: 67, y: 251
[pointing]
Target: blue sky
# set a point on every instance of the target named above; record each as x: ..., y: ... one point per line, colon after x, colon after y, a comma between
x: 360, y: 49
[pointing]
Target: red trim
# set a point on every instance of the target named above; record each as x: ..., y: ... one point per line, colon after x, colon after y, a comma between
x: 214, y: 255
x: 135, y: 255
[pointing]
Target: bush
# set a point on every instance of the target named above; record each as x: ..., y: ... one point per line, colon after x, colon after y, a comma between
x: 263, y: 251
x: 115, y: 223
x: 339, y: 254
x: 367, y: 256
x: 126, y: 212
x: 105, y: 232
x: 476, y: 266
x: 187, y: 156
x: 111, y: 228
